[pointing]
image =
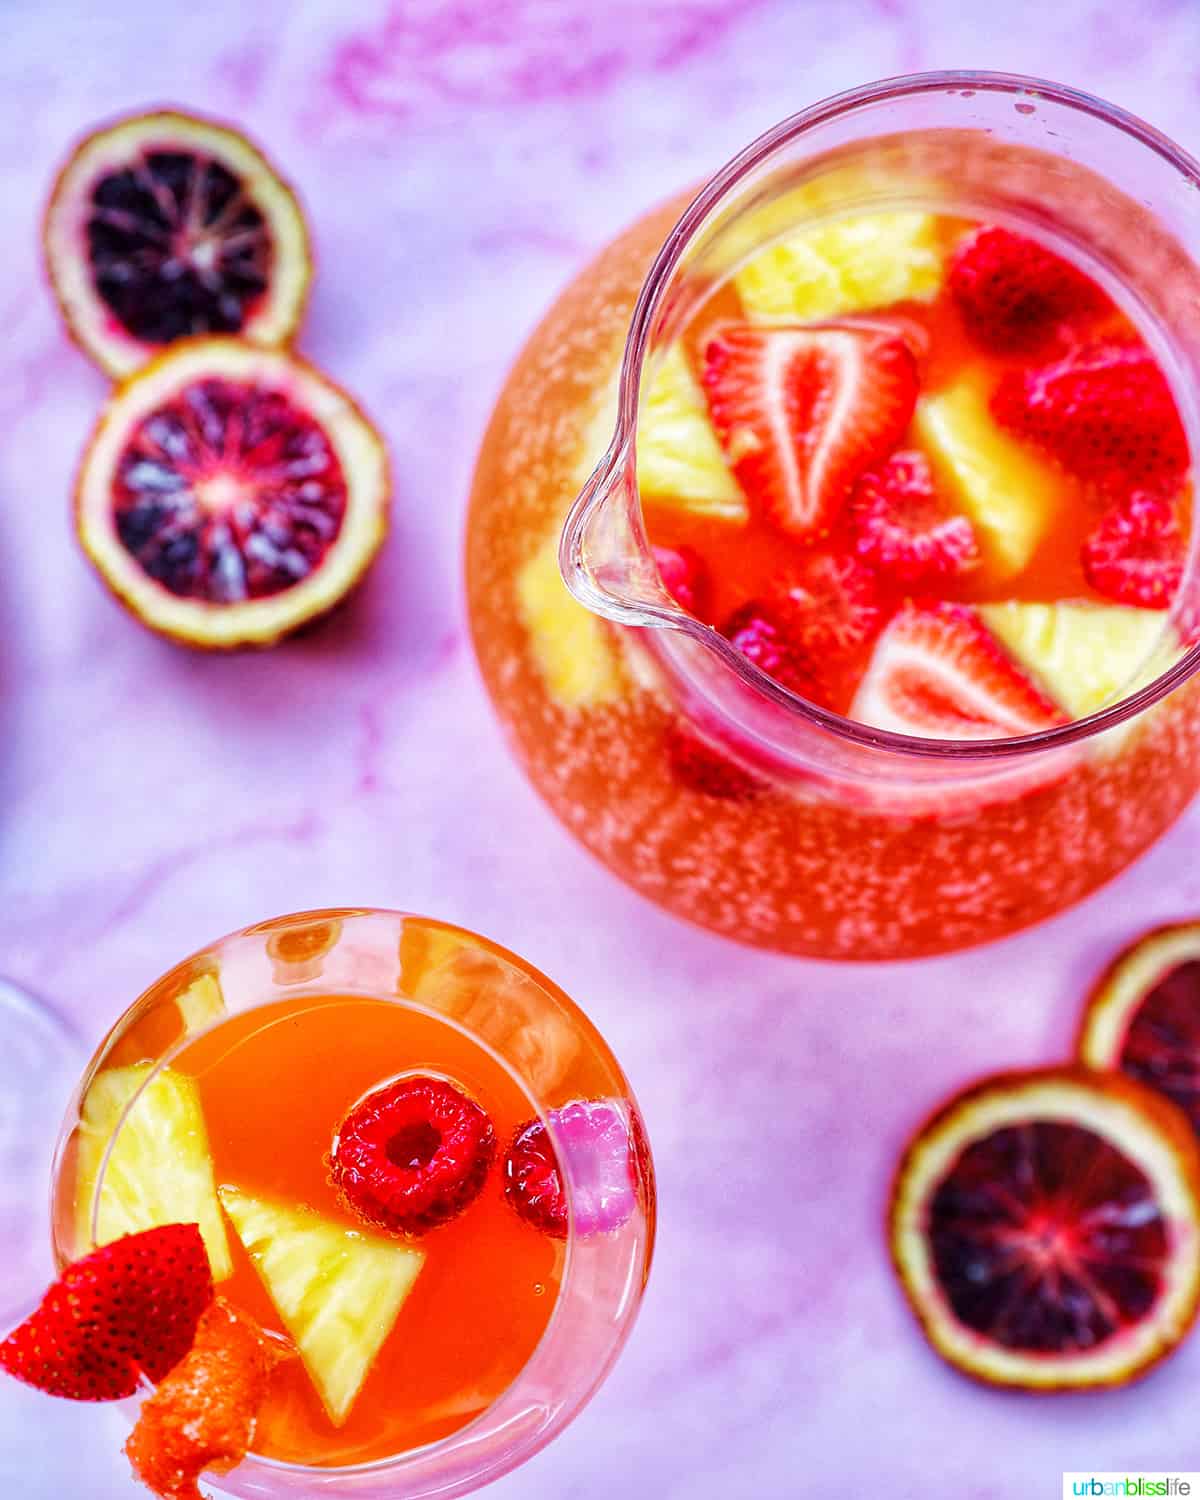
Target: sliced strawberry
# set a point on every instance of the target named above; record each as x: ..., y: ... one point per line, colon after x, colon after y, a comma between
x: 1013, y: 294
x: 759, y: 633
x: 1105, y: 412
x: 703, y: 768
x: 938, y: 672
x: 829, y: 604
x: 902, y: 528
x: 1136, y: 552
x: 801, y: 412
x: 129, y: 1307
x: 684, y: 577
x: 895, y: 324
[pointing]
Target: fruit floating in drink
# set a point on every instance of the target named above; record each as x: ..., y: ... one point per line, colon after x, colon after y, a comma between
x: 909, y: 555
x: 891, y: 544
x: 348, y: 1189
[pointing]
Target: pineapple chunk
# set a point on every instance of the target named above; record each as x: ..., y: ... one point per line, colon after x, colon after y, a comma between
x: 1010, y: 495
x: 1084, y: 655
x: 159, y: 1170
x: 571, y: 646
x: 337, y: 1290
x: 679, y: 457
x: 852, y: 265
x: 200, y: 1003
x: 599, y: 431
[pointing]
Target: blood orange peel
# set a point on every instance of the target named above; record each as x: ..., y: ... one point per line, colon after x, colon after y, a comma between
x: 164, y: 225
x: 1045, y: 1226
x: 203, y: 1415
x: 1143, y: 1015
x: 230, y: 494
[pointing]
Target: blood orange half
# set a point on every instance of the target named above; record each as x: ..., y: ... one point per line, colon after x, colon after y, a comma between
x: 230, y: 494
x: 1046, y: 1229
x: 1143, y: 1015
x: 164, y: 226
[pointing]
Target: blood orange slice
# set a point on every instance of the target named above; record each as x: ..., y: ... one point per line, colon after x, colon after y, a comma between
x: 162, y: 226
x: 1046, y: 1229
x: 1143, y: 1015
x: 230, y: 494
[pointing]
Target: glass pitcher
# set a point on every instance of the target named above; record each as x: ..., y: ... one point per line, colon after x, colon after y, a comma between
x: 795, y: 828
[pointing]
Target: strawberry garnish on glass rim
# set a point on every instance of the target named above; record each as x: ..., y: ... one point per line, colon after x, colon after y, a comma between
x: 938, y: 672
x: 127, y: 1309
x: 801, y: 412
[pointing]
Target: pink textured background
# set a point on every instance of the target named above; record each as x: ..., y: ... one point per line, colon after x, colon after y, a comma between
x: 459, y: 162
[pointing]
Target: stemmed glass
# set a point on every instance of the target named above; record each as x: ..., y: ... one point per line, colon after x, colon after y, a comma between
x: 530, y: 1028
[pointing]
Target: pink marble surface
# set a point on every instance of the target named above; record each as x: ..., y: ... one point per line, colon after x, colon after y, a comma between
x: 459, y: 161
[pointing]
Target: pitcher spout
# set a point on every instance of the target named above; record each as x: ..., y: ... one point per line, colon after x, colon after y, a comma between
x: 604, y: 556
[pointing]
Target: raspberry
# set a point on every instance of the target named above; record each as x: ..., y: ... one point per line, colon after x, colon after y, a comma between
x: 1013, y: 294
x: 902, y: 528
x: 759, y: 633
x: 704, y: 769
x: 829, y: 605
x: 1105, y: 412
x: 685, y: 577
x: 412, y: 1154
x: 597, y: 1143
x: 1135, y: 554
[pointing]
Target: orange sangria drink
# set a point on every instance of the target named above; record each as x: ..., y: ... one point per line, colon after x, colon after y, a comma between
x: 355, y: 1201
x: 831, y: 559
